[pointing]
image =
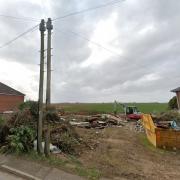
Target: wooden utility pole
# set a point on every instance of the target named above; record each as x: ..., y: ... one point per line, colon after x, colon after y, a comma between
x: 42, y: 29
x: 48, y: 88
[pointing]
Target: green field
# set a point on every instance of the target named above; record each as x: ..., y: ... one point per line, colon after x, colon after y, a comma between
x: 108, y: 107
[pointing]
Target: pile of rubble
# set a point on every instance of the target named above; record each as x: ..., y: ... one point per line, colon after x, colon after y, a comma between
x: 99, y: 121
x: 139, y: 126
x: 170, y: 119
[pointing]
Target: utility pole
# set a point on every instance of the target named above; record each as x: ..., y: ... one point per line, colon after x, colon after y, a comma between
x: 48, y: 88
x: 42, y: 29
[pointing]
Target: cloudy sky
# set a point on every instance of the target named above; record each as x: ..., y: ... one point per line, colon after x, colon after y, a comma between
x: 129, y: 51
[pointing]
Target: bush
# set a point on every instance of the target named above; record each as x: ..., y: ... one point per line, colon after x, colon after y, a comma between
x: 20, y: 118
x: 32, y: 106
x: 20, y: 139
x: 51, y: 114
x: 173, y: 103
x: 168, y: 116
x: 68, y: 143
x: 66, y: 138
x: 2, y: 120
x: 4, y: 130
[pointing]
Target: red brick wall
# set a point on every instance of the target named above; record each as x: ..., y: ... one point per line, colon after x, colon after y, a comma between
x: 10, y: 102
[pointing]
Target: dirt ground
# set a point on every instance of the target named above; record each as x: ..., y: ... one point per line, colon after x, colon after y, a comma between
x: 121, y: 153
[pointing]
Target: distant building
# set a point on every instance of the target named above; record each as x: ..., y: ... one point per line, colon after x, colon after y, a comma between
x: 177, y: 91
x: 9, y: 98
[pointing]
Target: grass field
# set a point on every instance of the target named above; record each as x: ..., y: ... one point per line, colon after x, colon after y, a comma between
x: 108, y: 107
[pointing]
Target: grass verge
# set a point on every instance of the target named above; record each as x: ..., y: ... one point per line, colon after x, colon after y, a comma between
x: 71, y: 164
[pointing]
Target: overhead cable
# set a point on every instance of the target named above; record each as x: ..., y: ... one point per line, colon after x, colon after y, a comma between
x: 89, y: 9
x: 19, y: 36
x: 19, y: 18
x: 86, y: 39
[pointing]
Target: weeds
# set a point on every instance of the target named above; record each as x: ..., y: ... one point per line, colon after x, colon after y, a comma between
x: 90, y: 173
x: 76, y: 166
x: 68, y: 143
x: 20, y: 140
x: 32, y: 106
x: 2, y: 120
x: 145, y: 142
x: 168, y: 116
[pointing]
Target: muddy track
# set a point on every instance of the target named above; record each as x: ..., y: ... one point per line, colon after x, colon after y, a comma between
x: 122, y: 154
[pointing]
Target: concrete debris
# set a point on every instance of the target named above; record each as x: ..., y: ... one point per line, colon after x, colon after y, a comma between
x: 139, y: 126
x: 80, y: 124
x: 115, y: 120
x: 62, y: 119
x: 98, y: 121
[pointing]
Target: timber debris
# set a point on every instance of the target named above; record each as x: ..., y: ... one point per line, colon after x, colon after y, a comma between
x: 98, y: 121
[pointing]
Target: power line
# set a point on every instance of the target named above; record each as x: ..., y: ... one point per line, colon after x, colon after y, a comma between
x: 67, y: 15
x: 101, y: 46
x: 19, y: 18
x: 19, y: 36
x: 86, y: 39
x: 89, y: 9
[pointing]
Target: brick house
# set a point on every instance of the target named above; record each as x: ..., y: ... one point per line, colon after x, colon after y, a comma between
x: 9, y: 98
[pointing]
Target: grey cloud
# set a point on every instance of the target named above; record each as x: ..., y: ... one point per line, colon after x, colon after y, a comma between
x: 154, y: 52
